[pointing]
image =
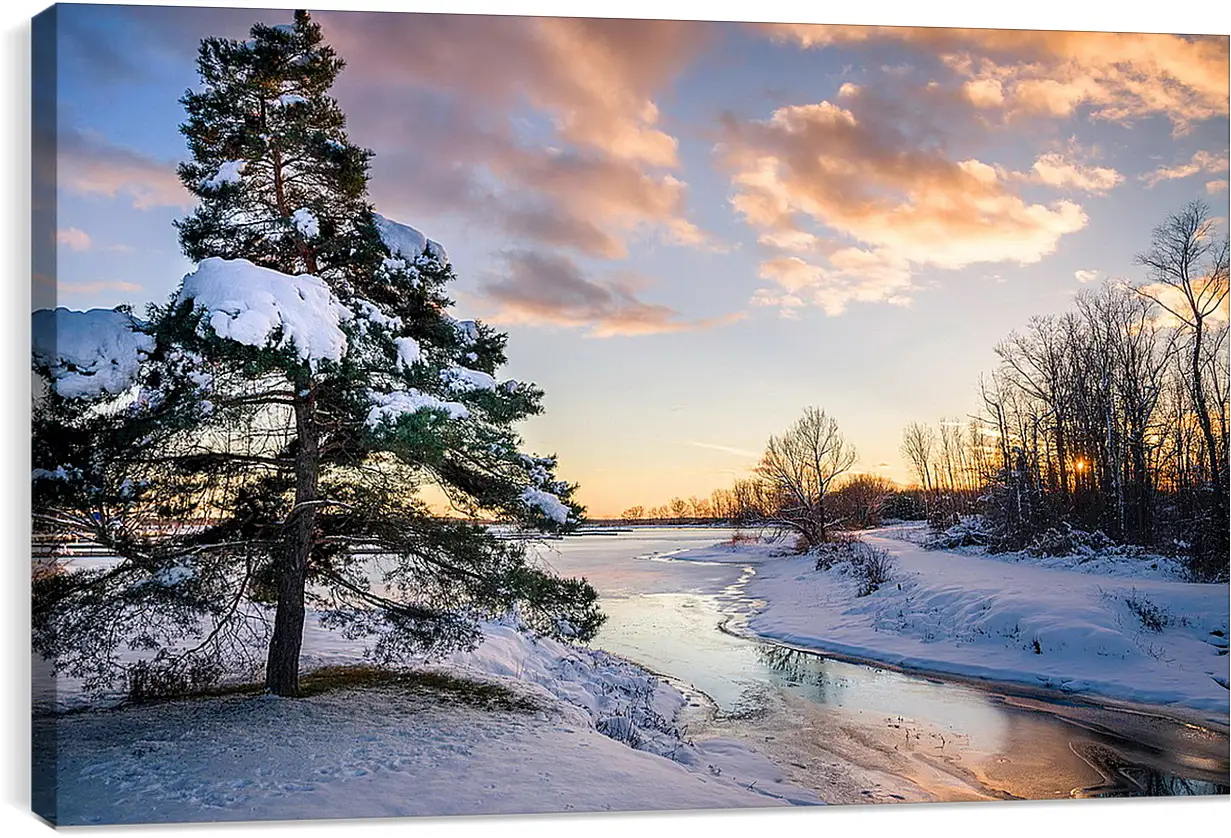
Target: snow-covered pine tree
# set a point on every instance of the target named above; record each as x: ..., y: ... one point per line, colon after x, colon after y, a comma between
x: 260, y: 441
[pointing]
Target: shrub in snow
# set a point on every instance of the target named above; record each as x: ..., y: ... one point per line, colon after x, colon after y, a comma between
x: 903, y: 506
x: 1064, y: 540
x: 967, y: 532
x: 871, y: 566
x: 835, y: 551
x: 1151, y: 616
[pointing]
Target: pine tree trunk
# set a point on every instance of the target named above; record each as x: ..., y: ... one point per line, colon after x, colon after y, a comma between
x: 282, y: 668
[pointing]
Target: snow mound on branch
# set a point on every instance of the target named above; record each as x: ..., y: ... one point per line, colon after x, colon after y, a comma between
x: 547, y: 503
x: 89, y: 353
x: 288, y: 99
x: 249, y: 304
x: 305, y: 222
x: 228, y: 172
x: 467, y: 330
x: 371, y: 312
x: 409, y: 352
x: 406, y: 241
x: 388, y: 407
x: 462, y: 379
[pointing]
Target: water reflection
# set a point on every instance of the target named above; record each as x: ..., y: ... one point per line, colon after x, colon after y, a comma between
x: 664, y: 615
x: 901, y: 699
x: 1125, y: 778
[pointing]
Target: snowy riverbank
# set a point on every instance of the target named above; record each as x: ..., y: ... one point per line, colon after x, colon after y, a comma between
x: 1126, y: 630
x: 586, y: 732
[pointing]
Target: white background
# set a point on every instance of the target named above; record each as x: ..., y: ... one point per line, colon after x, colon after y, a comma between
x: 1166, y: 818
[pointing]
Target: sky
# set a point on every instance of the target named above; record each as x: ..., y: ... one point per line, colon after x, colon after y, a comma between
x: 689, y: 230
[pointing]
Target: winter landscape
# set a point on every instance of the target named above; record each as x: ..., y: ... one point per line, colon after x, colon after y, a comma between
x: 772, y: 416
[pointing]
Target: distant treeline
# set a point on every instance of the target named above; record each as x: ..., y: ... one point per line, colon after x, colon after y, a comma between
x: 1111, y: 418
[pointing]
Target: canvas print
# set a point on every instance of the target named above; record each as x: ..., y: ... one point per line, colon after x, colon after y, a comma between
x: 466, y: 414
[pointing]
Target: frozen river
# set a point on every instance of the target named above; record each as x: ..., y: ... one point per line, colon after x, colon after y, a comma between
x: 858, y: 732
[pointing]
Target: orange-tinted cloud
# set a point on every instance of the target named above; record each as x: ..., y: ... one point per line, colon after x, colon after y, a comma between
x: 541, y: 287
x: 1202, y: 162
x: 100, y: 285
x: 89, y: 164
x: 1057, y: 170
x: 73, y: 239
x: 814, y: 175
x: 1118, y: 76
x: 544, y: 128
x: 852, y: 275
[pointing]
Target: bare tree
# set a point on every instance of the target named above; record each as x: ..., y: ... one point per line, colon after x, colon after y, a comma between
x: 1188, y: 269
x: 633, y: 513
x: 858, y: 498
x: 917, y: 443
x: 799, y: 468
x: 723, y: 504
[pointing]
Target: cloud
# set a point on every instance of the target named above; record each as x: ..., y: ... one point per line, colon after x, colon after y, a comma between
x: 1202, y: 162
x: 95, y: 287
x: 1116, y: 76
x: 1086, y: 276
x: 813, y: 177
x: 544, y: 129
x: 539, y: 287
x: 1054, y: 169
x: 726, y: 449
x: 73, y: 239
x: 562, y: 145
x: 1214, y: 186
x: 89, y: 164
x: 852, y: 275
x: 1173, y: 301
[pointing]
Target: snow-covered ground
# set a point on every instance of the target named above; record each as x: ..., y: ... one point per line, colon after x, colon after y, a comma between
x: 1122, y: 629
x: 598, y: 734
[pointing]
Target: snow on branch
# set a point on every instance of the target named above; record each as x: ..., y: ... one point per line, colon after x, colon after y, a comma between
x: 407, y: 242
x: 463, y: 380
x: 373, y: 313
x: 547, y: 503
x: 467, y: 331
x: 89, y: 353
x: 389, y: 407
x: 249, y: 304
x: 228, y: 172
x: 305, y: 222
x: 409, y: 352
